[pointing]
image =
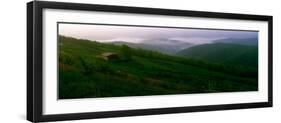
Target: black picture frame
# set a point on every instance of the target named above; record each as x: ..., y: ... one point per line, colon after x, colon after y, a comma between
x: 34, y: 60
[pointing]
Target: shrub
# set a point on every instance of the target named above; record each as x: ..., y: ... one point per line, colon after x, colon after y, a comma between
x: 87, y: 67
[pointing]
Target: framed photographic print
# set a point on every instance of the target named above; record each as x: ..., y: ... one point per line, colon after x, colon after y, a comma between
x: 96, y: 61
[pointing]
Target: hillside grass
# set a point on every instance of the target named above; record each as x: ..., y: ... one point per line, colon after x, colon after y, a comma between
x: 84, y: 74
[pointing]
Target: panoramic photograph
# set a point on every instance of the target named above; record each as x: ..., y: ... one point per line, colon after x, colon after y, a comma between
x: 102, y: 60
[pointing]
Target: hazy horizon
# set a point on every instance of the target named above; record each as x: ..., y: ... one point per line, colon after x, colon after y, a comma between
x: 111, y: 33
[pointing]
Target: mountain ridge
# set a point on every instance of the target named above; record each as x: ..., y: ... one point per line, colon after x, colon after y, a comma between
x: 223, y: 53
x: 241, y: 41
x: 163, y: 48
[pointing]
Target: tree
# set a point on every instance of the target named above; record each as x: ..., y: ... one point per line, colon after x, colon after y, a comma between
x: 126, y: 52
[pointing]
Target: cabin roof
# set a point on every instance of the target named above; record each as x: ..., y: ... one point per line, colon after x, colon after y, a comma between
x: 108, y: 54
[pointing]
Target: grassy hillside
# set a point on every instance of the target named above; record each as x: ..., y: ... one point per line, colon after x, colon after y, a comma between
x: 84, y: 73
x: 224, y: 53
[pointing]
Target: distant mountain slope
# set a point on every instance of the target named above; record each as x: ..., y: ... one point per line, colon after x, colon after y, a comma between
x: 167, y: 48
x: 223, y: 53
x: 244, y: 41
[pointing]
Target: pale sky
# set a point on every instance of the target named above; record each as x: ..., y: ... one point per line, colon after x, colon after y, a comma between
x: 109, y: 33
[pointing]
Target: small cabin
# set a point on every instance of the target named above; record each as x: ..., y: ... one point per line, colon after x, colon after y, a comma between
x: 108, y: 56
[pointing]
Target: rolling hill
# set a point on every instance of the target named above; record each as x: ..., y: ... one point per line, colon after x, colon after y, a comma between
x: 242, y: 41
x: 85, y: 73
x: 225, y: 53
